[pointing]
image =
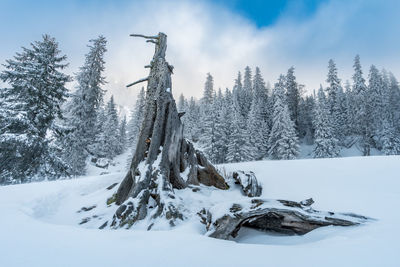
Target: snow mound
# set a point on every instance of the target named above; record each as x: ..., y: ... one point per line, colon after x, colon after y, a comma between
x: 56, y: 223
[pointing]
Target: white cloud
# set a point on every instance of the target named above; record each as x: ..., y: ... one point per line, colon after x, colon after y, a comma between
x: 203, y: 37
x: 206, y: 38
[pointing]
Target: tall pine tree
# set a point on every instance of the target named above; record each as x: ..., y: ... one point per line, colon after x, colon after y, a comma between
x: 326, y: 144
x: 82, y: 111
x: 334, y: 98
x: 283, y: 142
x: 28, y: 109
x: 136, y: 119
x: 293, y: 96
x: 362, y: 123
x: 256, y: 124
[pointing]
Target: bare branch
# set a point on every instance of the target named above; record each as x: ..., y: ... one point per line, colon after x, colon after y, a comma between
x: 147, y: 66
x: 144, y: 36
x: 152, y: 41
x: 139, y: 81
x: 171, y: 68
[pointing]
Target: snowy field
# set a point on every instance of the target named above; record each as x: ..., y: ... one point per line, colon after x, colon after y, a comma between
x: 39, y: 223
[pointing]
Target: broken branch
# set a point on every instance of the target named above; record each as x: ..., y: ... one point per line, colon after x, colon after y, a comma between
x: 152, y: 41
x: 144, y: 36
x: 139, y: 81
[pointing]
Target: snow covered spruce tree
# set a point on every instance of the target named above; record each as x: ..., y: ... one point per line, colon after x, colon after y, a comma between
x: 182, y: 104
x: 221, y: 128
x: 389, y: 134
x: 208, y: 115
x: 122, y: 136
x: 107, y: 142
x: 283, y: 142
x: 390, y: 139
x: 326, y: 144
x: 333, y: 100
x: 246, y: 95
x: 163, y: 159
x: 293, y: 96
x: 306, y: 129
x: 191, y: 119
x: 394, y: 100
x: 362, y: 122
x: 28, y: 108
x: 82, y: 112
x: 239, y: 145
x: 136, y: 117
x: 377, y: 104
x: 225, y: 117
x: 256, y: 124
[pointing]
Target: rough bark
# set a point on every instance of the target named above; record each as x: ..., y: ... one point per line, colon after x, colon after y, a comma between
x: 280, y: 216
x: 162, y: 155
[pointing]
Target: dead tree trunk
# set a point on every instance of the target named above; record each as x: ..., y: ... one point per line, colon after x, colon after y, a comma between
x: 162, y: 154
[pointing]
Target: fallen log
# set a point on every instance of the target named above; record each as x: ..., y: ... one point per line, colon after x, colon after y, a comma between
x: 280, y: 216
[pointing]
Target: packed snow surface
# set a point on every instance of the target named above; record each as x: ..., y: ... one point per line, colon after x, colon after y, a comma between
x: 40, y: 222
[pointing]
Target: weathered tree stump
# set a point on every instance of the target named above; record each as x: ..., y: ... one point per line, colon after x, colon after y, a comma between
x: 163, y: 159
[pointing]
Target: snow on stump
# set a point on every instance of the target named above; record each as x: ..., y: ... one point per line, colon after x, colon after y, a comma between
x: 248, y: 183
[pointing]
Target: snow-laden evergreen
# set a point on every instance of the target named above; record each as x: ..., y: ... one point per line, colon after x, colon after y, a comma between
x: 208, y: 115
x: 283, y: 142
x: 246, y: 94
x: 362, y: 120
x: 82, y: 113
x: 191, y: 119
x: 224, y: 129
x: 29, y: 105
x: 334, y: 100
x: 293, y: 96
x: 326, y: 144
x: 107, y: 143
x: 376, y: 99
x: 122, y: 135
x: 137, y: 113
x: 305, y: 128
x: 238, y: 147
x: 257, y: 124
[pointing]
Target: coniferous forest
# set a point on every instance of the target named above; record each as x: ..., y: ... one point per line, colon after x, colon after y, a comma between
x: 50, y: 132
x: 255, y: 120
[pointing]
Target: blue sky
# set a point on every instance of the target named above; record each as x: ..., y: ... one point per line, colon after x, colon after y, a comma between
x: 220, y: 37
x: 261, y: 12
x: 266, y: 12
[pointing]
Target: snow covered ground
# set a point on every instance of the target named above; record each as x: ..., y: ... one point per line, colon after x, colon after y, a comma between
x: 39, y: 223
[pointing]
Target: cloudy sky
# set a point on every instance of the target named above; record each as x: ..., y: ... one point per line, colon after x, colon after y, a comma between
x: 220, y: 37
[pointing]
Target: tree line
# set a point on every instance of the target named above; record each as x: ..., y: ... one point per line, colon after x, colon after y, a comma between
x: 47, y: 131
x: 255, y: 121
